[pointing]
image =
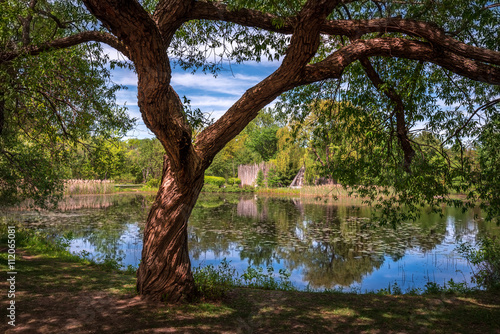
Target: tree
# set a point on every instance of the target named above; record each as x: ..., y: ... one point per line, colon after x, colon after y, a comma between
x: 51, y: 102
x: 317, y: 45
x: 145, y: 158
x: 262, y: 135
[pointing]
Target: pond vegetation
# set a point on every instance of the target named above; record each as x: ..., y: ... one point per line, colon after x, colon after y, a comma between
x: 308, y: 244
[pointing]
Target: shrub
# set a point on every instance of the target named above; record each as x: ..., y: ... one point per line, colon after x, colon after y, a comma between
x: 234, y: 181
x: 214, y: 282
x: 486, y: 259
x: 256, y: 278
x: 153, y: 183
x: 210, y: 188
x: 215, y: 180
x: 260, y: 178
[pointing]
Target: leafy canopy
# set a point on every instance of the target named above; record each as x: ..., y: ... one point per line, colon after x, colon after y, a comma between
x: 51, y: 102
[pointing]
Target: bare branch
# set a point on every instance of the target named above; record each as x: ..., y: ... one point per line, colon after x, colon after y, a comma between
x: 59, y: 23
x: 399, y: 111
x: 483, y: 107
x: 492, y: 6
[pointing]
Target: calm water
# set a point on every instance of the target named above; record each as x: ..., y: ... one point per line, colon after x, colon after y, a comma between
x: 323, y: 245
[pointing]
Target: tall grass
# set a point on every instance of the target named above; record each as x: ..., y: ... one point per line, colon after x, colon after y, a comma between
x: 84, y: 187
x: 279, y: 191
x: 331, y: 191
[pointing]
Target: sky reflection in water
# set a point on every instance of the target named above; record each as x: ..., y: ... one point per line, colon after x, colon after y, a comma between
x: 323, y: 245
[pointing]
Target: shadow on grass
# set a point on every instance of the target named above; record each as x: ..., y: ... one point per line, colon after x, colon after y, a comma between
x: 56, y: 296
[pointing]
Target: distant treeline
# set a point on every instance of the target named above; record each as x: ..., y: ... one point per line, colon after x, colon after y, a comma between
x: 285, y: 146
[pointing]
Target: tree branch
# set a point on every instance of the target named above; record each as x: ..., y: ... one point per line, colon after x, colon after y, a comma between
x: 399, y: 111
x: 334, y: 65
x: 303, y: 46
x: 352, y: 28
x: 429, y: 31
x: 65, y: 42
x: 161, y: 107
x: 215, y: 11
x: 492, y: 6
x: 483, y: 107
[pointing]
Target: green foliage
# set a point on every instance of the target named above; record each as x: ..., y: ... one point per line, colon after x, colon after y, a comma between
x: 256, y: 278
x: 486, y: 260
x: 213, y: 283
x: 144, y: 158
x: 273, y: 179
x: 256, y: 143
x: 51, y: 102
x: 234, y: 181
x: 451, y: 287
x: 393, y: 289
x: 432, y: 288
x: 99, y: 159
x: 260, y: 178
x: 153, y: 183
x: 489, y: 172
x: 264, y: 142
x: 212, y: 188
x: 215, y: 180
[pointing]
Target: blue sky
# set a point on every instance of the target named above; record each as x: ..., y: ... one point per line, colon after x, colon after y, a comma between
x: 213, y: 95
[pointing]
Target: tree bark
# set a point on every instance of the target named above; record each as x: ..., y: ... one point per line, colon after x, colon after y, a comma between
x: 165, y: 270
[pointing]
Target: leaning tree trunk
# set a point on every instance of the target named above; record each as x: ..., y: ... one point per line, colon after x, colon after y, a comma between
x: 165, y: 270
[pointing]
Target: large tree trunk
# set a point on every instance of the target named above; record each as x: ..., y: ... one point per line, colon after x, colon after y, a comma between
x: 165, y: 270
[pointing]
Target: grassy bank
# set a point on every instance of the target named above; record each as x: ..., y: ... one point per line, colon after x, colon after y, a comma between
x: 60, y: 293
x: 325, y: 191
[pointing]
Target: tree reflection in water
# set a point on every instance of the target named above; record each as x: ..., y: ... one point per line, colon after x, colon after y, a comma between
x: 324, y: 245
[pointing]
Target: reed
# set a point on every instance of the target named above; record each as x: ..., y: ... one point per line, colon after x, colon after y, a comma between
x: 326, y: 191
x: 84, y: 187
x: 279, y: 191
x: 330, y: 190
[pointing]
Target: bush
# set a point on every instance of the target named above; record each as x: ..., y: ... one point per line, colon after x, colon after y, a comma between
x: 153, y: 183
x: 486, y: 259
x: 215, y: 180
x: 210, y: 188
x: 260, y: 178
x: 214, y: 282
x: 256, y: 278
x: 234, y: 181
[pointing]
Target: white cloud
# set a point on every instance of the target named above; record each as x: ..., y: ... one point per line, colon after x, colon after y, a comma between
x: 207, y: 102
x: 113, y: 53
x: 126, y: 96
x: 125, y: 77
x: 231, y: 85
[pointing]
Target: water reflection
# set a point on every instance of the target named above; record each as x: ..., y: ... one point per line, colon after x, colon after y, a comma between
x: 323, y: 245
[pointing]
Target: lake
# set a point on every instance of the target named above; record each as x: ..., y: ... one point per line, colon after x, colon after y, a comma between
x: 323, y: 244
